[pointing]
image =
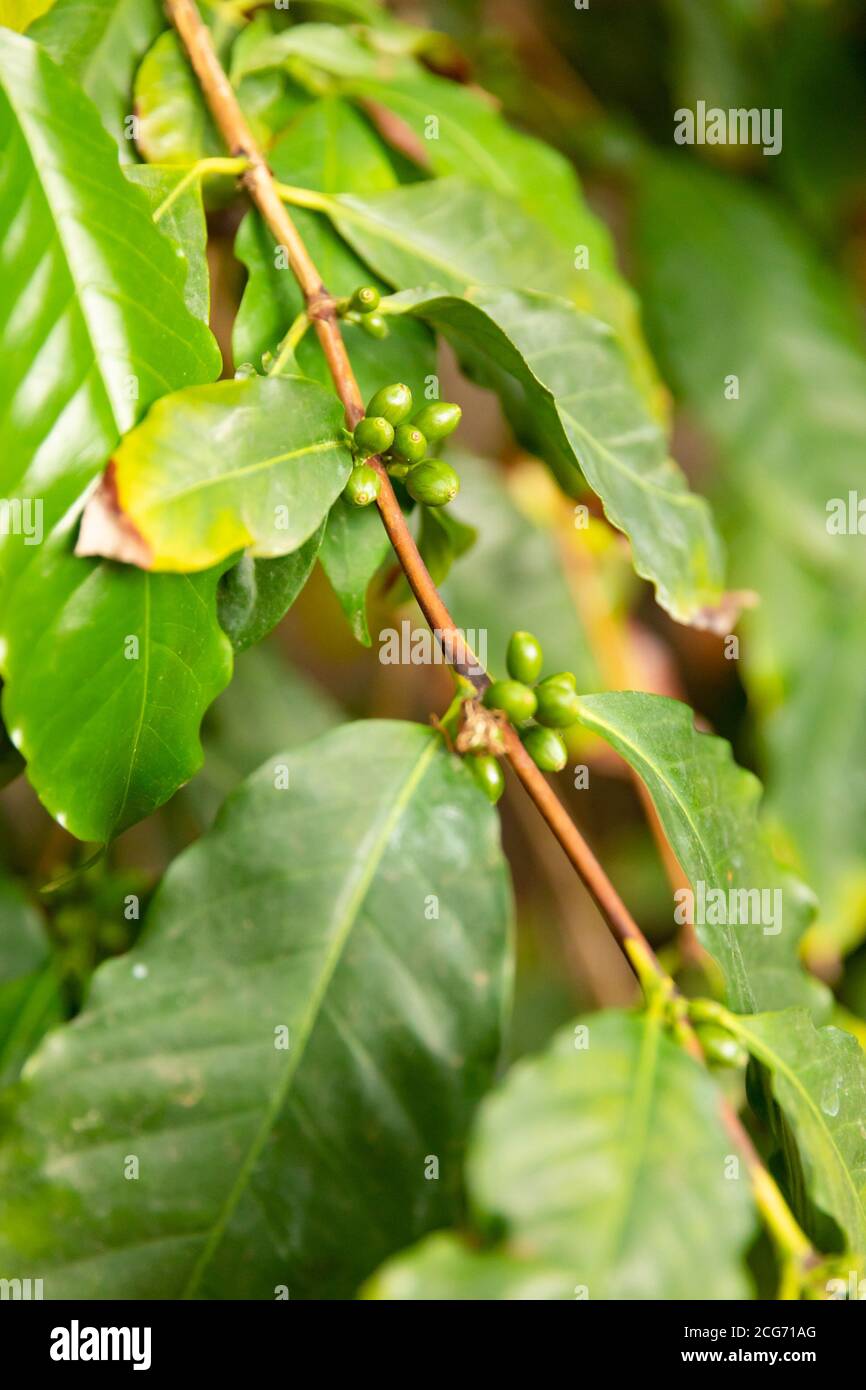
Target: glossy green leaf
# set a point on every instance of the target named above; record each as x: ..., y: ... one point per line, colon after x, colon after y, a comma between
x: 338, y: 51
x: 750, y: 912
x: 354, y: 548
x: 565, y: 383
x: 255, y: 595
x: 452, y: 234
x: 20, y: 14
x: 99, y: 44
x: 29, y: 994
x: 255, y: 463
x: 790, y: 450
x: 443, y: 1268
x: 605, y: 1157
x: 512, y: 577
x: 302, y: 910
x: 442, y: 539
x: 11, y: 761
x: 330, y: 148
x: 107, y: 734
x: 180, y: 218
x: 450, y: 128
x: 175, y: 124
x: 818, y: 1079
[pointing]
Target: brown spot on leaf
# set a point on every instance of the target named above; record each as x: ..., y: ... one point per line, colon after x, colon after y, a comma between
x: 107, y: 531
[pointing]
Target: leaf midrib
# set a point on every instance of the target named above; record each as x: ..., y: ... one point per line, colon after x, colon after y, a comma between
x: 636, y: 1127
x: 317, y: 997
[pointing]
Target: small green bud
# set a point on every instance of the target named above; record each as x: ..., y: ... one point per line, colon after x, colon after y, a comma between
x: 363, y: 487
x: 487, y: 773
x: 438, y: 419
x: 558, y: 705
x: 373, y: 435
x: 524, y: 657
x: 409, y: 443
x: 397, y: 468
x: 433, y: 483
x: 721, y: 1046
x: 513, y: 697
x: 375, y: 324
x: 546, y: 748
x: 393, y: 402
x: 365, y: 299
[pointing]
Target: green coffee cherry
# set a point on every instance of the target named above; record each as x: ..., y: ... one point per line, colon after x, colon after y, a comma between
x: 524, y: 658
x: 487, y: 773
x: 513, y: 697
x: 566, y: 679
x: 438, y: 419
x: 546, y: 748
x: 374, y: 324
x: 363, y: 487
x: 397, y: 468
x: 393, y: 402
x: 373, y: 435
x: 721, y: 1046
x: 365, y: 299
x: 558, y: 705
x: 409, y: 443
x: 433, y: 483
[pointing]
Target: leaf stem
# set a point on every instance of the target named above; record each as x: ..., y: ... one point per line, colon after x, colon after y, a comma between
x: 322, y: 309
x: 215, y: 165
x: 288, y: 346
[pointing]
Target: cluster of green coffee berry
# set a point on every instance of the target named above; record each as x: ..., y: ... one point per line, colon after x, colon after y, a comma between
x: 362, y: 307
x: 552, y: 702
x: 387, y: 430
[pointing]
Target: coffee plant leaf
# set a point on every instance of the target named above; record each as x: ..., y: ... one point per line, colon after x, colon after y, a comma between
x: 443, y: 1268
x: 818, y: 1080
x: 330, y: 148
x: 11, y: 761
x: 354, y: 548
x: 174, y: 123
x: 449, y: 128
x: 564, y: 381
x: 99, y: 44
x: 88, y: 650
x: 442, y: 539
x: 606, y: 1157
x: 229, y: 1046
x: 183, y: 222
x: 29, y: 989
x: 254, y: 595
x: 215, y: 469
x: 793, y: 351
x: 708, y: 807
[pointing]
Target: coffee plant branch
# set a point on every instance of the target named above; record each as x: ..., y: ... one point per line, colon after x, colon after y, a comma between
x: 321, y: 309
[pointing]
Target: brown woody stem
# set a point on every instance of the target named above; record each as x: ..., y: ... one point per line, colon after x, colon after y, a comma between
x: 322, y: 310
